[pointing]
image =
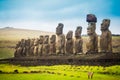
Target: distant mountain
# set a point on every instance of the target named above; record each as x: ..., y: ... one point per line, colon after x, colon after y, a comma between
x: 10, y: 33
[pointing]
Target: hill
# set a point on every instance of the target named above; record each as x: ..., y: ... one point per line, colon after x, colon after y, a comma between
x: 9, y: 33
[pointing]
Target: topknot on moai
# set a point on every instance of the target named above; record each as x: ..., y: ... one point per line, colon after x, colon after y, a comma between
x: 60, y: 48
x: 106, y: 37
x: 92, y: 44
x: 69, y: 43
x: 91, y: 18
x: 78, y: 40
x: 52, y: 45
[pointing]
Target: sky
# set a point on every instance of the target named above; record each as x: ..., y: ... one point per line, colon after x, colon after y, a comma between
x: 45, y: 15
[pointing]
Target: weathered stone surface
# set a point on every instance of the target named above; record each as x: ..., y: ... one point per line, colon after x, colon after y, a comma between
x: 35, y: 51
x: 106, y: 37
x: 40, y: 45
x: 78, y: 40
x: 59, y: 29
x: 46, y: 45
x: 78, y: 32
x: 92, y: 44
x: 91, y: 18
x: 18, y: 50
x: 60, y: 48
x: 53, y: 44
x: 69, y: 43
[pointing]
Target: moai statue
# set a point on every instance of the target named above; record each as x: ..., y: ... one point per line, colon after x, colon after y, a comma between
x: 31, y: 47
x: 46, y: 45
x: 52, y: 50
x: 78, y: 40
x: 92, y: 44
x: 40, y: 46
x: 35, y: 45
x: 27, y: 47
x: 23, y: 49
x: 60, y: 47
x: 69, y: 43
x: 18, y: 50
x: 106, y: 37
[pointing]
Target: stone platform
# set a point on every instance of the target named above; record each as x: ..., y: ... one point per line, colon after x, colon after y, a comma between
x: 100, y: 59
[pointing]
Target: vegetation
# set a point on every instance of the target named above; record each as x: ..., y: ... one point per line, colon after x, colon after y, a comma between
x: 57, y: 72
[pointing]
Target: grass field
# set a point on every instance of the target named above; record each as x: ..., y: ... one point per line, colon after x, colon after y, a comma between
x: 58, y: 72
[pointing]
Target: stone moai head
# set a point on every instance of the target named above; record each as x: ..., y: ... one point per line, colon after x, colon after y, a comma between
x: 27, y: 42
x: 59, y: 29
x: 53, y: 39
x: 22, y: 43
x: 78, y: 31
x: 41, y: 39
x: 92, y: 24
x: 91, y: 18
x: 105, y: 24
x: 46, y: 39
x: 90, y: 30
x: 69, y: 35
x: 36, y: 42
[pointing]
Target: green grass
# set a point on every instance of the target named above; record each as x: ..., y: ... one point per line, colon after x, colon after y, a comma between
x: 6, y: 53
x: 59, y: 72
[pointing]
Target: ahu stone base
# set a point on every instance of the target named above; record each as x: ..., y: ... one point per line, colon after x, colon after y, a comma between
x: 100, y: 59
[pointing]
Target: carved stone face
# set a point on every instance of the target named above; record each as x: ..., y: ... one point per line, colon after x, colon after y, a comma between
x: 35, y: 42
x: 105, y: 24
x: 41, y: 39
x: 69, y: 35
x: 78, y: 31
x: 59, y: 29
x: 46, y: 39
x: 90, y: 30
x: 92, y: 24
x: 53, y: 38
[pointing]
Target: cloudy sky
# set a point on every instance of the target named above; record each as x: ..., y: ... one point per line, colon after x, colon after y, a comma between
x: 46, y: 14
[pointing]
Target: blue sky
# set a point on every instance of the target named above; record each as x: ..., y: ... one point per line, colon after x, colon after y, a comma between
x: 46, y: 14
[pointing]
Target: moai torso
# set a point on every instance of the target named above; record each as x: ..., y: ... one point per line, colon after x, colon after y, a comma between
x: 106, y: 37
x: 92, y: 44
x: 52, y: 44
x: 46, y: 45
x: 69, y: 43
x: 78, y: 40
x: 60, y: 48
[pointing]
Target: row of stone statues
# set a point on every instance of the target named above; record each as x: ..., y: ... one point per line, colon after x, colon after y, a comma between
x: 105, y: 37
x: 60, y: 44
